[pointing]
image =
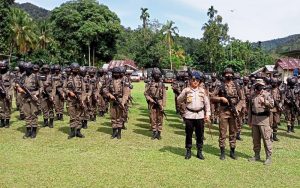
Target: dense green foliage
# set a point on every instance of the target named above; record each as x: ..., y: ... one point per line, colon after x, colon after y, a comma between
x: 34, y: 11
x: 5, y: 6
x: 51, y: 160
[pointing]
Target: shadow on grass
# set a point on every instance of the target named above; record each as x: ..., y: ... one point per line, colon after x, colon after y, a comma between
x: 216, y: 151
x: 105, y: 130
x: 144, y: 120
x: 144, y: 132
x: 106, y: 124
x: 175, y: 150
x: 177, y: 126
x: 64, y: 129
x: 21, y: 129
x: 289, y: 135
x: 143, y: 125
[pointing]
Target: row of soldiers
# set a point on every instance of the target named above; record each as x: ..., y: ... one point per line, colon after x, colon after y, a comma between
x: 84, y: 91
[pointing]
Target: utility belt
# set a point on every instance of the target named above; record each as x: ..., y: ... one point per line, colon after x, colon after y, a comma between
x: 195, y: 111
x: 265, y: 113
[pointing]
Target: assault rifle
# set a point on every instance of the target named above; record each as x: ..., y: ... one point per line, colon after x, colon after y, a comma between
x: 156, y: 103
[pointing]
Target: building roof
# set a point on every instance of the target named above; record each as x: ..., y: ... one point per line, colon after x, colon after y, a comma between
x: 126, y: 63
x: 269, y: 68
x: 288, y: 63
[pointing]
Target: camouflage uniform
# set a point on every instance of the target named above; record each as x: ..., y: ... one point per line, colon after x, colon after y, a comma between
x: 155, y: 93
x: 6, y: 94
x: 88, y: 92
x: 275, y: 111
x: 59, y: 93
x: 95, y: 84
x: 178, y: 86
x: 103, y: 102
x: 214, y: 106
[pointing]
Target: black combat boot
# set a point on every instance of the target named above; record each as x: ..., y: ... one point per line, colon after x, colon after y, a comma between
x: 95, y: 117
x: 292, y: 129
x: 268, y: 161
x: 238, y: 136
x: 51, y: 122
x: 199, y: 154
x: 232, y: 153
x: 84, y: 124
x: 101, y: 113
x: 288, y: 129
x: 119, y: 133
x: 22, y: 116
x: 153, y: 135
x: 46, y: 123
x: 79, y: 134
x: 61, y: 116
x: 33, y: 134
x: 7, y: 125
x: 114, y: 134
x: 275, y: 136
x: 57, y: 116
x: 72, y: 133
x: 2, y: 123
x: 27, y: 133
x: 222, y: 156
x: 188, y: 153
x: 256, y: 157
x: 158, y: 135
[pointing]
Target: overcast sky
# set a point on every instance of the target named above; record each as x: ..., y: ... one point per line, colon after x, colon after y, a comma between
x: 253, y: 20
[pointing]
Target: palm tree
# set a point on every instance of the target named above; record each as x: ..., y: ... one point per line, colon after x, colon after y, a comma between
x: 170, y: 31
x: 211, y: 12
x: 144, y: 17
x: 44, y: 34
x: 22, y: 34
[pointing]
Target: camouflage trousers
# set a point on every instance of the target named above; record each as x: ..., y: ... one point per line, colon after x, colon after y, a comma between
x: 58, y: 104
x: 156, y: 118
x: 5, y: 108
x: 227, y: 122
x: 75, y: 112
x: 117, y: 116
x: 47, y: 108
x: 30, y: 109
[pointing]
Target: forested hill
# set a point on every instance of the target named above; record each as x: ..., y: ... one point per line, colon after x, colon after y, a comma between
x: 280, y: 45
x: 34, y: 11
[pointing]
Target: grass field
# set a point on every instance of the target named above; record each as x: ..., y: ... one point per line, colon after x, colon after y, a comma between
x: 51, y: 160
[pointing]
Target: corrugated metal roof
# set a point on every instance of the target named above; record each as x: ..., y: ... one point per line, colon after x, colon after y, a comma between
x: 270, y: 68
x: 288, y: 63
x: 118, y: 63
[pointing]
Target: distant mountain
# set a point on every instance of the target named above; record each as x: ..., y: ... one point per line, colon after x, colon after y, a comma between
x: 34, y: 11
x: 282, y: 44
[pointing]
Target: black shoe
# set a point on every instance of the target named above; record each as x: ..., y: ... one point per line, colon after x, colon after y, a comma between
x: 72, y: 133
x: 101, y: 113
x: 238, y: 136
x: 61, y: 116
x: 7, y: 125
x: 51, y: 123
x: 33, y: 134
x: 27, y: 133
x: 22, y: 116
x: 158, y: 135
x: 84, y: 124
x: 288, y: 129
x: 188, y: 153
x: 46, y: 123
x: 153, y: 135
x: 292, y: 129
x: 232, y: 153
x: 119, y: 133
x: 200, y: 155
x: 2, y: 123
x: 58, y: 116
x: 222, y: 156
x: 79, y: 134
x: 275, y: 137
x: 114, y: 134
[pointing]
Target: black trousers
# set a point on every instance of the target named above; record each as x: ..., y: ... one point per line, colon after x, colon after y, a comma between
x: 190, y: 125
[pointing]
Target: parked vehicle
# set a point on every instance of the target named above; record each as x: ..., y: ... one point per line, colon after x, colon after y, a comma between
x: 135, y: 77
x: 168, y: 76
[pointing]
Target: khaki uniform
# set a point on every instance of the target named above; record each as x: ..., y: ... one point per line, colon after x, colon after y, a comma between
x: 92, y: 106
x: 75, y: 84
x: 19, y: 101
x: 259, y: 112
x: 290, y: 106
x: 88, y: 92
x: 178, y: 86
x: 227, y: 119
x: 59, y: 95
x: 156, y: 90
x: 275, y: 111
x: 47, y: 92
x: 29, y: 105
x: 7, y: 84
x: 120, y: 90
x: 102, y: 100
x: 214, y: 106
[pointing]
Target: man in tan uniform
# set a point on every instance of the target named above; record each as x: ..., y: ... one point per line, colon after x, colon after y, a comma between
x: 259, y: 119
x: 6, y: 93
x: 231, y: 99
x: 117, y: 91
x: 276, y: 110
x: 155, y: 93
x: 75, y: 90
x: 102, y: 100
x: 197, y: 111
x: 59, y: 93
x: 28, y: 87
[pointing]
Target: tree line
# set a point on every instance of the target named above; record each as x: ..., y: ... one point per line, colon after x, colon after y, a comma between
x: 87, y: 32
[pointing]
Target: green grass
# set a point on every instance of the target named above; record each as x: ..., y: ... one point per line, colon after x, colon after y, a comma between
x: 51, y: 160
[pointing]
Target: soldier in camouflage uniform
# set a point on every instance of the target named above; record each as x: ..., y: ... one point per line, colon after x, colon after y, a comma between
x: 47, y: 96
x: 59, y: 93
x: 178, y: 86
x: 85, y: 116
x: 117, y: 91
x: 103, y: 101
x: 291, y: 103
x: 126, y: 74
x: 155, y: 93
x: 231, y: 99
x: 19, y: 100
x: 75, y: 90
x: 214, y: 106
x: 275, y: 111
x: 6, y: 94
x: 28, y: 86
x: 95, y: 84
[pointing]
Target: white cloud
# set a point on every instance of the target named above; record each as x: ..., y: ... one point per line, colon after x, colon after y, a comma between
x: 256, y: 19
